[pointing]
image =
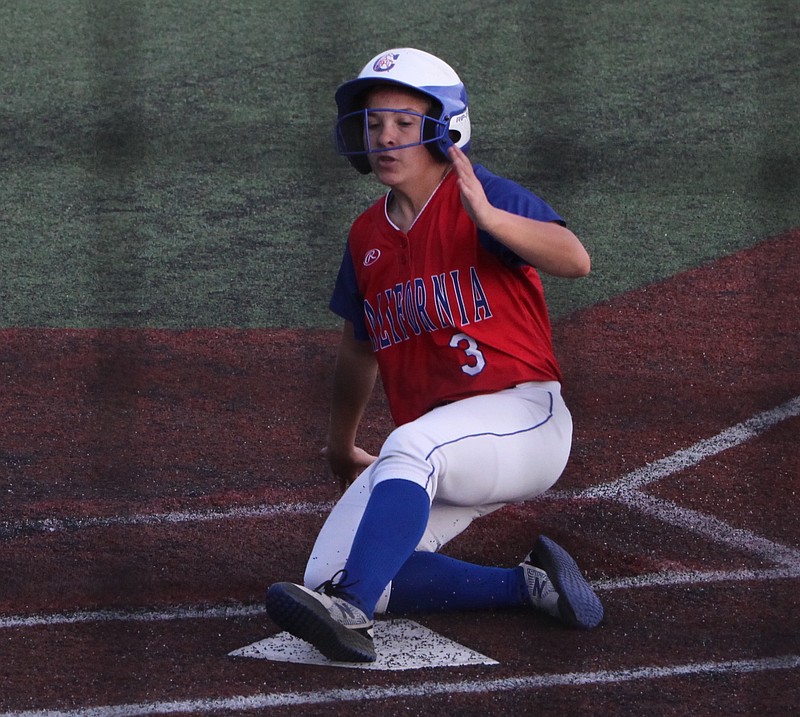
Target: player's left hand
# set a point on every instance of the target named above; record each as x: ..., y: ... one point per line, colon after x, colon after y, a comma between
x: 473, y: 197
x: 347, y: 467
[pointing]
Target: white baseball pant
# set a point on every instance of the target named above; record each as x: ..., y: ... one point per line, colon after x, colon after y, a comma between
x: 472, y: 457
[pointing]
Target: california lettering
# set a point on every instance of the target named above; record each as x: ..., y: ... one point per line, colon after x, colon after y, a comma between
x: 442, y: 301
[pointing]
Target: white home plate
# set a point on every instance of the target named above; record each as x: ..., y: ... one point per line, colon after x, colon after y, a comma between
x: 400, y: 644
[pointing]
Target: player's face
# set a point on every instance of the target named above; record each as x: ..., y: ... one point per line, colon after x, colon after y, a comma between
x: 393, y: 123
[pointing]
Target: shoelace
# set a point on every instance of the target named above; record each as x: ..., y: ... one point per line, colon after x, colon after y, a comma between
x: 333, y: 588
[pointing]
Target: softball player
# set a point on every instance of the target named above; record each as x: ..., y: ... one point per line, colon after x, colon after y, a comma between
x: 440, y: 295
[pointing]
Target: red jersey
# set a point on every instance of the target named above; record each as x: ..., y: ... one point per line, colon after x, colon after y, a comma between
x: 450, y: 312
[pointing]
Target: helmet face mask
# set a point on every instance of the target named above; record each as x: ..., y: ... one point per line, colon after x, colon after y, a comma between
x: 353, y: 136
x: 446, y: 123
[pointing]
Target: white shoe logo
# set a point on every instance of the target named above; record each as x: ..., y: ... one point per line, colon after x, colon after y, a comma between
x: 538, y: 587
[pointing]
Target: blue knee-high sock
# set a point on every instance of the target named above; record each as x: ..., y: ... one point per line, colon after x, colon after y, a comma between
x: 390, y: 530
x: 431, y: 582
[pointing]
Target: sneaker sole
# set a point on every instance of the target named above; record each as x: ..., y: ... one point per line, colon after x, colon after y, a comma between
x: 301, y: 615
x: 577, y: 603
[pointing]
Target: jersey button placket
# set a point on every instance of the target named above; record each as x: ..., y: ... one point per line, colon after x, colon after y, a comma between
x: 405, y: 258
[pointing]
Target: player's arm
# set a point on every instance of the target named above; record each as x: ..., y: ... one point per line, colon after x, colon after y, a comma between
x: 353, y: 381
x: 548, y: 246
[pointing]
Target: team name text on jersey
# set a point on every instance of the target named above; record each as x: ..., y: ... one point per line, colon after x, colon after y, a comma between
x: 446, y: 300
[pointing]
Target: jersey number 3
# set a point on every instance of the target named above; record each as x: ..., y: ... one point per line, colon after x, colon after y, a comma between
x: 475, y: 361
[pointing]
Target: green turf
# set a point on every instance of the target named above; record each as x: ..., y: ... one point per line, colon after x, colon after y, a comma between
x: 168, y: 163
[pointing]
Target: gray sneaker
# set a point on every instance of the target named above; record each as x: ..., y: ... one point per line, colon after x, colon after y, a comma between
x: 557, y: 587
x: 339, y: 630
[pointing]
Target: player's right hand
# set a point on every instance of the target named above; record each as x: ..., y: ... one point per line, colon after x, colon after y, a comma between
x: 473, y: 196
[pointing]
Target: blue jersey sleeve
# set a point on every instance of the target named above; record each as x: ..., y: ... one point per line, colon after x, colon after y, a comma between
x: 508, y: 195
x: 346, y: 300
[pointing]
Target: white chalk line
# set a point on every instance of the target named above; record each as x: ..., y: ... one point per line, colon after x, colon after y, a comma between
x: 627, y: 494
x: 10, y: 529
x: 426, y: 689
x: 786, y: 557
x: 689, y: 457
x: 711, y: 528
x: 615, y: 490
x: 217, y: 612
x: 628, y: 490
x: 672, y: 578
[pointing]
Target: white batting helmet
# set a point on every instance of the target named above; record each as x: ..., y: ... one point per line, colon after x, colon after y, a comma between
x: 446, y: 123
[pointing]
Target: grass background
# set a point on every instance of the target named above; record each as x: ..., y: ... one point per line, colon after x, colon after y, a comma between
x: 169, y: 163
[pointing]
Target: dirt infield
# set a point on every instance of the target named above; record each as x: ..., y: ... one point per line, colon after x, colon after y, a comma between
x: 154, y: 482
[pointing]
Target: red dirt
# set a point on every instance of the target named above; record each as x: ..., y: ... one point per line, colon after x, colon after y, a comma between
x: 125, y: 422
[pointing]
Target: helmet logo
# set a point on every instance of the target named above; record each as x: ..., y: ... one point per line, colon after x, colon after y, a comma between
x: 385, y: 62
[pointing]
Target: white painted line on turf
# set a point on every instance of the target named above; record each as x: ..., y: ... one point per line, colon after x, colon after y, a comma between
x: 218, y: 612
x: 425, y: 689
x: 221, y: 612
x: 10, y: 529
x: 612, y: 490
x: 660, y: 508
x: 689, y: 457
x: 673, y: 578
x: 710, y: 527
